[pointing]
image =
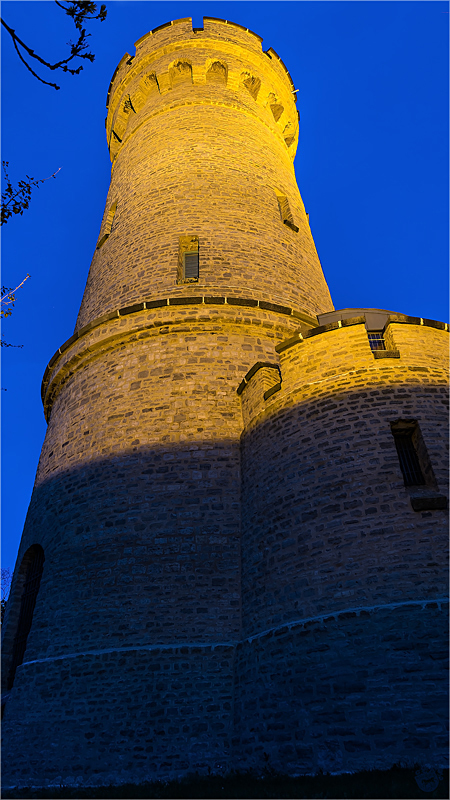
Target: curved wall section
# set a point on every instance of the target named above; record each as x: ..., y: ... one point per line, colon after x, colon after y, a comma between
x: 362, y: 689
x: 344, y: 567
x: 327, y: 519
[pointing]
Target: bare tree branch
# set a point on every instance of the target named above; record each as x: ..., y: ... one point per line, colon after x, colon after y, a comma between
x: 80, y: 11
x: 8, y: 298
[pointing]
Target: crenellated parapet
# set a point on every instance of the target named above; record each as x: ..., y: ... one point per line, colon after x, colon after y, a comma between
x: 340, y: 356
x: 176, y: 63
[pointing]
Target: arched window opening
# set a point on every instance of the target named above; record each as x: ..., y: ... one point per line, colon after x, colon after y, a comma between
x: 107, y: 228
x: 285, y: 211
x: 277, y: 110
x: 217, y: 73
x: 275, y: 107
x: 149, y: 84
x: 180, y: 73
x: 289, y: 134
x: 27, y: 604
x: 252, y: 84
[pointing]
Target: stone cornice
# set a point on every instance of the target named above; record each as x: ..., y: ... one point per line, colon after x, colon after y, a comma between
x: 170, y: 302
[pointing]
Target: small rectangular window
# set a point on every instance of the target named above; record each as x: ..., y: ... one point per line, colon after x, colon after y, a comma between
x: 188, y: 259
x: 412, y: 453
x: 376, y: 340
x: 407, y: 456
x: 415, y: 464
x: 190, y: 265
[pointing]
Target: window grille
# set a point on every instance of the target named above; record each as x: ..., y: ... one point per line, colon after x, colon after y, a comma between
x: 28, y: 602
x: 190, y: 264
x: 376, y: 340
x: 408, y: 458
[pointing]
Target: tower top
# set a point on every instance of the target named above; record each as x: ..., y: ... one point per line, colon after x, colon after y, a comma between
x: 159, y: 53
x: 202, y: 129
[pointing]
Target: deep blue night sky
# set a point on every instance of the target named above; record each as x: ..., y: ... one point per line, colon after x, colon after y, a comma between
x: 372, y: 167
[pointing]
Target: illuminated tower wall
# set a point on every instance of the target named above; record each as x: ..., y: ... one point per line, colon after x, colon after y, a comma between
x: 219, y: 527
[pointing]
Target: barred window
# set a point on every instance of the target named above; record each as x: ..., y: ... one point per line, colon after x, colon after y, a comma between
x: 188, y: 259
x: 408, y: 441
x: 190, y: 265
x: 27, y: 604
x: 376, y: 340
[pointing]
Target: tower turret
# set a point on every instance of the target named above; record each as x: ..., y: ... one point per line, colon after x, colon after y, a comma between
x: 202, y: 129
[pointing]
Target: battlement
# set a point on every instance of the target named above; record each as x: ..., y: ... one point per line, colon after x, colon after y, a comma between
x: 221, y: 53
x: 339, y: 355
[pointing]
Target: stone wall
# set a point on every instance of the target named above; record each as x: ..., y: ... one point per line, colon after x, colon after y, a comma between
x: 131, y: 715
x: 344, y: 584
x: 358, y: 690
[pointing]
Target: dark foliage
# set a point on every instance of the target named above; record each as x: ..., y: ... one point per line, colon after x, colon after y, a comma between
x: 397, y: 782
x: 8, y: 298
x: 6, y: 578
x: 15, y: 201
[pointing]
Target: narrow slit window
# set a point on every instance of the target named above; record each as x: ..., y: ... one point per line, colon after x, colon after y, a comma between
x: 285, y: 211
x: 27, y: 604
x: 108, y: 225
x: 180, y: 73
x: 406, y: 436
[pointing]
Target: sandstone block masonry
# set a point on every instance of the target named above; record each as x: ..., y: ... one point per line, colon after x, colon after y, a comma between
x: 225, y: 562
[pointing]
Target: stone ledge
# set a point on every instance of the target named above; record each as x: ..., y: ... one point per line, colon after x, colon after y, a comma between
x: 241, y: 301
x: 280, y: 348
x: 434, y: 502
x: 332, y: 326
x: 156, y: 303
x: 182, y: 301
x: 170, y: 301
x: 275, y: 307
x: 131, y: 309
x: 253, y: 370
x: 404, y: 319
x: 386, y: 353
x: 272, y: 391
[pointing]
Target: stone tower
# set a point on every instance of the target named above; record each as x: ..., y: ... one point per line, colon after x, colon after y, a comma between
x: 203, y: 579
